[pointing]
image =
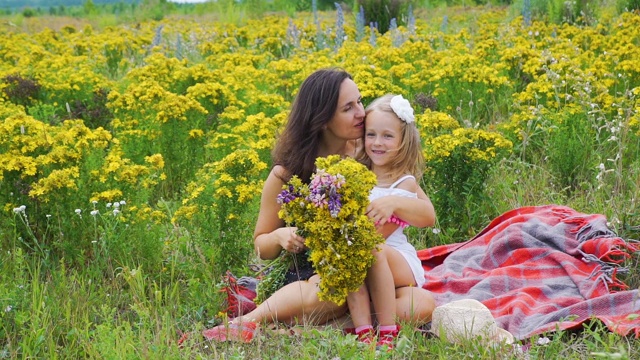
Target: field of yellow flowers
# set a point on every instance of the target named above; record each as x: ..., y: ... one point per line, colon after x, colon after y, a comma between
x: 132, y: 156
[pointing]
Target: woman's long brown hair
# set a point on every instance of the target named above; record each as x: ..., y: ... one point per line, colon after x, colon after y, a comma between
x: 314, y: 106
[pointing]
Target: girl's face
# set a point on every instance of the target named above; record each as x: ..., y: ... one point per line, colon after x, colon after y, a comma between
x: 382, y: 138
x: 347, y: 122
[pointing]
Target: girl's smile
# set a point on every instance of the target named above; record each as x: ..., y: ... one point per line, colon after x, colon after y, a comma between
x: 383, y: 135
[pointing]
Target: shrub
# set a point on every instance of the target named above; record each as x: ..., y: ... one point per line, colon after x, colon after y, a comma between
x: 219, y: 205
x: 21, y: 90
x: 380, y: 12
x: 95, y: 112
x: 458, y: 163
x: 569, y: 150
x: 573, y: 12
x: 28, y: 12
x: 629, y: 5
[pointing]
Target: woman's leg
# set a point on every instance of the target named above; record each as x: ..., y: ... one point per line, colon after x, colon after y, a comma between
x: 414, y: 305
x: 296, y: 303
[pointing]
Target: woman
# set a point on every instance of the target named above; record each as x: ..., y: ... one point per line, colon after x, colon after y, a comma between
x: 327, y: 118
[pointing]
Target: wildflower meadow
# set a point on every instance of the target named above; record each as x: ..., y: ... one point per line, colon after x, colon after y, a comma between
x: 133, y: 153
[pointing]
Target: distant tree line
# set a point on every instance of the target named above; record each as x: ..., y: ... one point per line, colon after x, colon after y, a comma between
x: 124, y: 10
x: 47, y: 4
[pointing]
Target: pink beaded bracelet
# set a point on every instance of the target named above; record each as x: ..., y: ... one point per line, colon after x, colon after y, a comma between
x: 396, y: 220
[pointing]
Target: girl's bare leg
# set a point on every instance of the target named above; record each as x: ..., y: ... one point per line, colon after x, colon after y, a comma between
x: 360, y: 307
x: 413, y: 305
x: 389, y: 271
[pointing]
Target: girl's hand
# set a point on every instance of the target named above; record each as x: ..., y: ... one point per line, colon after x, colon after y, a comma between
x: 290, y: 240
x: 380, y: 210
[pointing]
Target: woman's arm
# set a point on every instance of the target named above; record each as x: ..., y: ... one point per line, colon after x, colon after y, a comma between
x: 271, y: 235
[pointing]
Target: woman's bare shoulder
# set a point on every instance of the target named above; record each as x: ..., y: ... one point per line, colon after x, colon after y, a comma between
x: 276, y: 178
x: 279, y: 172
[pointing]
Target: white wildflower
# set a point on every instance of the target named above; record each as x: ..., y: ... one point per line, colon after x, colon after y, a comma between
x: 543, y: 341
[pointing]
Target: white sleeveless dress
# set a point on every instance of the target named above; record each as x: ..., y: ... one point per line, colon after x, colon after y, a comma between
x: 397, y: 239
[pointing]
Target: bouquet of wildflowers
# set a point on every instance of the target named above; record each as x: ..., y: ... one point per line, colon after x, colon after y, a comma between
x: 330, y: 214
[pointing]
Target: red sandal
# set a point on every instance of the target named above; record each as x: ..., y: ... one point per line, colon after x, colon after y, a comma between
x: 387, y: 338
x: 366, y: 336
x: 242, y: 332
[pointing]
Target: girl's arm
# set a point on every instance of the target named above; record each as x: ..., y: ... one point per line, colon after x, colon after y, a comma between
x: 417, y: 212
x: 271, y: 235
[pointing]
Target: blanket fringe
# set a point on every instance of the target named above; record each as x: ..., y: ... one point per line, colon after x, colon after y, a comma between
x: 596, y: 228
x: 594, y: 233
x: 607, y: 274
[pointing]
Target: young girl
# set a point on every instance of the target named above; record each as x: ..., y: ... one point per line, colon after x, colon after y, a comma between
x: 393, y: 152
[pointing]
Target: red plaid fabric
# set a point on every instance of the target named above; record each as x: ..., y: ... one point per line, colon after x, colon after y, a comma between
x: 240, y: 294
x: 539, y: 269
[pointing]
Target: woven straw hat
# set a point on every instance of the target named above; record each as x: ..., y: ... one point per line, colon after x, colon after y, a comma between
x: 467, y: 319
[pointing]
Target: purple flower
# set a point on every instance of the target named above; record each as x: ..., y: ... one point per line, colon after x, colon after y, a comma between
x: 323, y: 191
x: 288, y: 195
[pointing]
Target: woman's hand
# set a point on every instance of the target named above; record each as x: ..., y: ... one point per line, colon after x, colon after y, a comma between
x: 290, y: 240
x: 271, y: 234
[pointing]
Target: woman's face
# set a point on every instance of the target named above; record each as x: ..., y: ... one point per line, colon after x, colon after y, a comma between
x: 347, y: 122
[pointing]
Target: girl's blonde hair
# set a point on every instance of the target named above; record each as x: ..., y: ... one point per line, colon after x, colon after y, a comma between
x: 408, y: 159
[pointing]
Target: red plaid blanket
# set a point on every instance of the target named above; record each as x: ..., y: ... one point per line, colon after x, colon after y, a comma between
x: 539, y: 269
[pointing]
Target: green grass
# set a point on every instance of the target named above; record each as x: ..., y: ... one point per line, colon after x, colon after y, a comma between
x: 136, y: 307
